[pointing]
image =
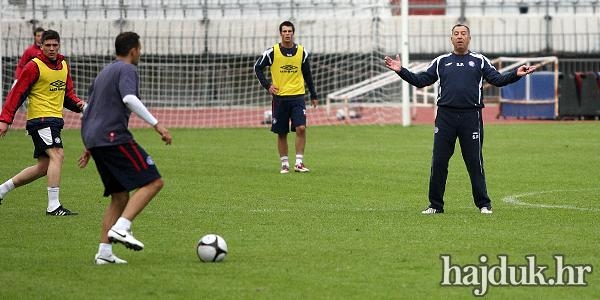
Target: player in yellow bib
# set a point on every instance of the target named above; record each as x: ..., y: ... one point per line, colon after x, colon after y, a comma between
x: 46, y: 81
x: 290, y: 74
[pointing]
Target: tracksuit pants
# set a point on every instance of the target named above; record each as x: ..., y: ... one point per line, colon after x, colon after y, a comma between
x: 467, y: 126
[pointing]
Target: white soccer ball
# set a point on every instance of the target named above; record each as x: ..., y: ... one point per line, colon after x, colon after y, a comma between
x: 340, y: 114
x: 212, y: 248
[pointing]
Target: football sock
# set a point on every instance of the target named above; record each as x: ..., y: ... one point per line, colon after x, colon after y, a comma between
x: 6, y: 187
x: 122, y: 223
x: 299, y: 158
x: 284, y: 161
x: 53, y: 202
x: 105, y: 249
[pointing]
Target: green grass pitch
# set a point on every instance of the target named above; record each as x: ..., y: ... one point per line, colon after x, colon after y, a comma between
x: 349, y: 229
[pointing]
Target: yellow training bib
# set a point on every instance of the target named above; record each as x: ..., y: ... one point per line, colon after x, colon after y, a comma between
x: 286, y: 72
x: 47, y: 95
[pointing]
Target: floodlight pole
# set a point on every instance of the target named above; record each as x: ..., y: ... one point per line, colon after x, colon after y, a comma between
x: 404, y: 49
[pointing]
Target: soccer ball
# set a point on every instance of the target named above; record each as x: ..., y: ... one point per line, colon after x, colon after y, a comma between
x: 212, y: 248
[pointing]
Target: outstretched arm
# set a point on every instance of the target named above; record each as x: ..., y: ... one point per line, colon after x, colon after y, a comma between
x: 498, y: 79
x: 393, y: 64
x: 422, y: 79
x: 525, y: 70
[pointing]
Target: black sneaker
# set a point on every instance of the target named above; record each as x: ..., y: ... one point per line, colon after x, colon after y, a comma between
x: 61, y: 211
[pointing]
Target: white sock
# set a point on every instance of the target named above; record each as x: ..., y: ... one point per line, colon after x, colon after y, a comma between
x: 284, y: 161
x: 299, y: 158
x: 105, y: 249
x: 6, y: 187
x: 53, y: 196
x: 122, y: 223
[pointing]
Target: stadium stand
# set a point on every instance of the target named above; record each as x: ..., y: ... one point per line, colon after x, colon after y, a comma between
x: 198, y: 54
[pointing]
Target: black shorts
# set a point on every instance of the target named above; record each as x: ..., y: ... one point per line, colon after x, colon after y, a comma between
x: 124, y: 167
x: 287, y: 109
x: 45, y: 138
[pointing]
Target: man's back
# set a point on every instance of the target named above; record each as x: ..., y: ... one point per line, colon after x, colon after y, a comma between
x: 106, y: 117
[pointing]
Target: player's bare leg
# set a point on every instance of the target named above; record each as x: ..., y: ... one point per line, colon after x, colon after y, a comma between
x: 53, y: 176
x: 282, y: 147
x: 300, y: 144
x: 32, y: 173
x: 113, y: 212
x: 138, y: 201
x: 26, y: 176
x: 121, y: 231
x: 57, y: 157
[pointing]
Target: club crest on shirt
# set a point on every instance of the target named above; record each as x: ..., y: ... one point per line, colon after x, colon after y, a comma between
x: 471, y: 63
x: 149, y: 160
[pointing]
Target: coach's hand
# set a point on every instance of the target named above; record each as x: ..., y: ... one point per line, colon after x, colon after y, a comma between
x: 164, y: 133
x: 84, y: 158
x: 524, y: 70
x: 393, y: 64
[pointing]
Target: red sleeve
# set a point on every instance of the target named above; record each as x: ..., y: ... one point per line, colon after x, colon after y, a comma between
x: 19, y: 92
x: 71, y: 98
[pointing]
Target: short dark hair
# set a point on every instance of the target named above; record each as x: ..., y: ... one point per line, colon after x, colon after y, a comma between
x: 38, y: 29
x: 462, y: 25
x: 126, y: 41
x: 286, y: 23
x: 50, y: 35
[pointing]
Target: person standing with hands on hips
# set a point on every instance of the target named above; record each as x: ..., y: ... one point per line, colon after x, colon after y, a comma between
x: 460, y: 100
x: 290, y: 71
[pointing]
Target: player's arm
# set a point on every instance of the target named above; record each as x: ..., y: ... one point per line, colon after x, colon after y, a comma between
x: 422, y: 79
x: 136, y: 106
x: 307, y: 75
x: 18, y: 94
x: 72, y: 102
x: 495, y: 78
x: 84, y: 158
x: 265, y: 60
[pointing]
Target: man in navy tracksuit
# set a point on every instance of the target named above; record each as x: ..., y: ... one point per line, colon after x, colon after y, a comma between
x: 460, y: 101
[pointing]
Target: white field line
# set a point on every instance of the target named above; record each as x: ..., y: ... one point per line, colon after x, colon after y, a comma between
x: 515, y: 199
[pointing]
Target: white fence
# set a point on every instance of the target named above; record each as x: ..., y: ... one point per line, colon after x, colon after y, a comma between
x: 427, y: 34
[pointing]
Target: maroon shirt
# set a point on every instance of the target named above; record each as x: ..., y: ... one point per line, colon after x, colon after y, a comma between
x: 29, y: 53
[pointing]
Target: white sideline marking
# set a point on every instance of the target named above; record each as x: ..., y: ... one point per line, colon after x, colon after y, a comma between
x: 514, y: 199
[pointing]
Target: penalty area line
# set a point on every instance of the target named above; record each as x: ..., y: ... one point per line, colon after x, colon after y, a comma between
x: 515, y: 200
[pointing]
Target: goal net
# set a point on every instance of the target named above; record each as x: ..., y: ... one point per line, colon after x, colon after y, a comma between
x: 198, y: 56
x: 200, y: 73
